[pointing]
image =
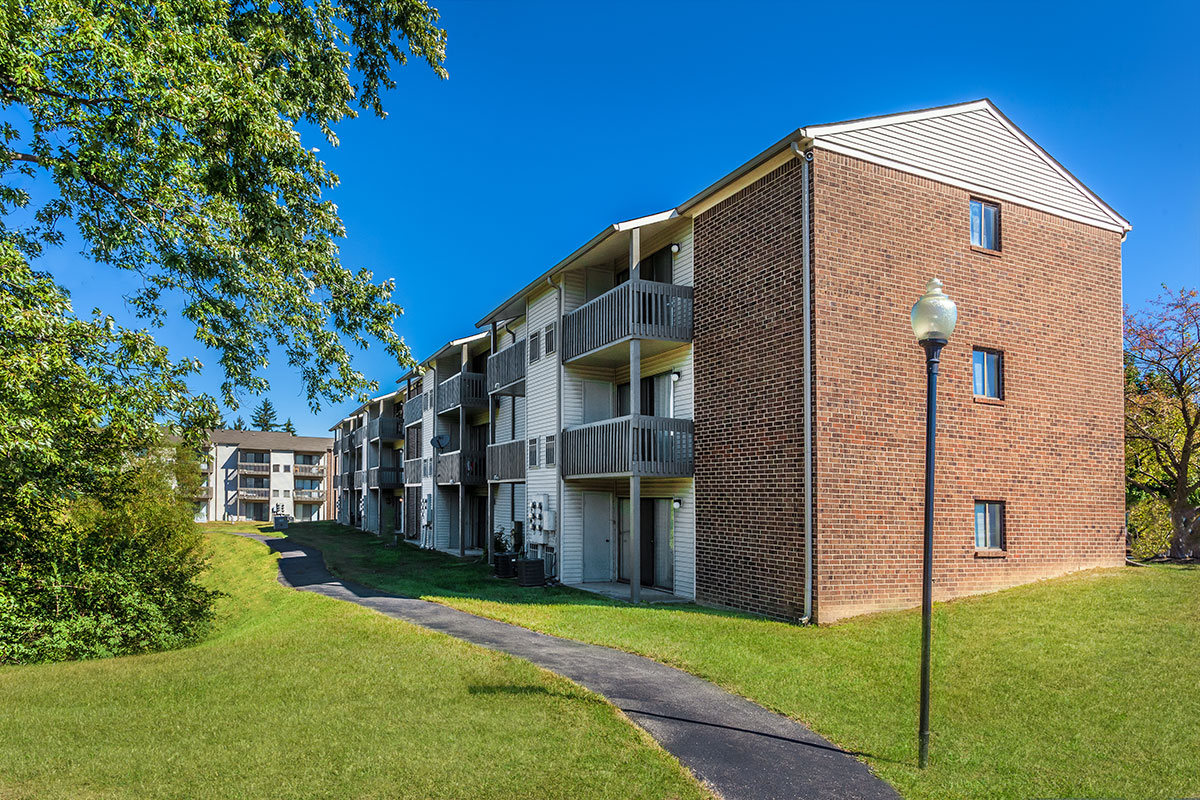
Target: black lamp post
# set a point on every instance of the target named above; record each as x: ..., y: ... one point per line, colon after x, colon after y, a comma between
x: 933, y: 320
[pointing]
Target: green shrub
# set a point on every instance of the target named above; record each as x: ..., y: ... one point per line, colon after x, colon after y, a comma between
x: 1149, y: 527
x: 120, y: 577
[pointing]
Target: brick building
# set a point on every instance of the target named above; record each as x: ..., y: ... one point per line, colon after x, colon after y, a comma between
x: 771, y: 457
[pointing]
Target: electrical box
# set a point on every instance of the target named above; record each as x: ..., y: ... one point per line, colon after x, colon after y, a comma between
x: 427, y: 510
x: 536, y: 513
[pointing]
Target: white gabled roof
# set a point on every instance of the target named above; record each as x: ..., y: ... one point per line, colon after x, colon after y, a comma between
x: 975, y: 147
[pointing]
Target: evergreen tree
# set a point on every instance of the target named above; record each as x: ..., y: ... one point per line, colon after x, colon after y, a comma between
x: 239, y: 424
x: 288, y: 427
x: 263, y: 418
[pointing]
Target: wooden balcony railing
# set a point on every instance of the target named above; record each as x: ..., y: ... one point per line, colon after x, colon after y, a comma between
x: 459, y: 467
x: 506, y: 368
x: 506, y: 461
x: 254, y: 467
x: 388, y: 429
x: 309, y: 470
x: 356, y: 438
x: 412, y: 472
x: 627, y: 446
x: 360, y: 478
x: 385, y: 478
x: 253, y: 493
x: 309, y: 495
x: 413, y: 409
x: 635, y: 309
x: 463, y: 389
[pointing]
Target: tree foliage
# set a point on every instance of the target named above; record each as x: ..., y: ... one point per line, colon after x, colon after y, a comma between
x: 98, y: 554
x: 1162, y: 411
x: 263, y: 418
x: 168, y: 131
x: 289, y: 427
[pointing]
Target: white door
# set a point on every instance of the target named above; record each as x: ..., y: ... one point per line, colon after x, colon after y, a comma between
x: 597, y: 537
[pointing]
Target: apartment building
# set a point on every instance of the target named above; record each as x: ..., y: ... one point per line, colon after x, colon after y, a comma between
x: 368, y: 457
x: 254, y: 475
x: 724, y: 402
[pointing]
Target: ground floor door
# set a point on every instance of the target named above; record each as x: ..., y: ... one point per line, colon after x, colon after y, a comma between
x: 255, y: 511
x: 412, y: 512
x: 477, y: 504
x: 657, y: 565
x: 597, y: 536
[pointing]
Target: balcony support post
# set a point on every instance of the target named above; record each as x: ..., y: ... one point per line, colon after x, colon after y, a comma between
x: 635, y: 410
x: 462, y: 443
x: 491, y: 505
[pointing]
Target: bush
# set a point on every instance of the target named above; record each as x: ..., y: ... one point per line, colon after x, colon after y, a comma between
x: 120, y: 577
x: 1150, y: 527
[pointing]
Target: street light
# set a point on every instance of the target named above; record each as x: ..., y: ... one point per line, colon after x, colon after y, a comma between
x: 933, y: 320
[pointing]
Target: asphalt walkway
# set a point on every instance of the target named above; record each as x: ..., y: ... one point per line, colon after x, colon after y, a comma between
x: 741, y: 750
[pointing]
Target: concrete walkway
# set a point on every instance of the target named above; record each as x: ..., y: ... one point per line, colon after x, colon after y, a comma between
x: 738, y: 748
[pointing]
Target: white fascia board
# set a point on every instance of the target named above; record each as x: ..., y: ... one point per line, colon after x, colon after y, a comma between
x: 814, y: 131
x: 970, y: 187
x: 641, y: 222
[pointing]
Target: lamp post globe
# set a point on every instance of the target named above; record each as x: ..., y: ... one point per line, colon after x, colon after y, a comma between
x: 933, y: 318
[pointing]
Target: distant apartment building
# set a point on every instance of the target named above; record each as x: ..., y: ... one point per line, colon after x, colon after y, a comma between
x: 724, y: 402
x: 254, y: 475
x: 368, y: 459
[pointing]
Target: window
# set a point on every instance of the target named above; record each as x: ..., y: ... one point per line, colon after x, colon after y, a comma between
x: 549, y: 451
x: 287, y: 467
x: 548, y: 337
x: 275, y: 493
x: 989, y: 525
x: 287, y: 493
x: 988, y: 366
x: 985, y: 225
x: 535, y: 347
x: 533, y: 452
x: 274, y: 468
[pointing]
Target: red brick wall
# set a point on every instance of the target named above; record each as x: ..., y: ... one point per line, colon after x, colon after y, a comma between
x: 749, y: 399
x: 1052, y: 450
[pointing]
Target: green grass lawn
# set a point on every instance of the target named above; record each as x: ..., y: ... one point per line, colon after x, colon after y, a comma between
x: 298, y: 696
x: 1082, y: 686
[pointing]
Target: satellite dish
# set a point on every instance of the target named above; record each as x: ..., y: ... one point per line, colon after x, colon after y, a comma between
x: 440, y: 441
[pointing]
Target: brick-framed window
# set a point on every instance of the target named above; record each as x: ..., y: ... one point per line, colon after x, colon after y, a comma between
x: 548, y: 339
x: 989, y: 525
x: 987, y: 368
x: 985, y: 224
x: 533, y: 452
x: 535, y: 346
x: 549, y: 451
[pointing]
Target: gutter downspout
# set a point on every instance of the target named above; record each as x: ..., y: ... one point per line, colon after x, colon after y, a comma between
x: 806, y: 213
x: 558, y: 510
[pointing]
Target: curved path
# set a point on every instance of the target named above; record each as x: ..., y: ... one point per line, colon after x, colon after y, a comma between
x: 738, y: 748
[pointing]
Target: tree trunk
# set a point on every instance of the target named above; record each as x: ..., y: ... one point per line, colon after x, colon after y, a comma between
x: 1185, y: 521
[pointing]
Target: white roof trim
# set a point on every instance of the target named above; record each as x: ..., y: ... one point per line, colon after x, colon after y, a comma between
x: 640, y: 222
x: 817, y: 131
x: 970, y: 187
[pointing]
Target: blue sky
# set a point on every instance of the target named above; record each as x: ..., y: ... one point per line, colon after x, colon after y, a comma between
x: 559, y: 118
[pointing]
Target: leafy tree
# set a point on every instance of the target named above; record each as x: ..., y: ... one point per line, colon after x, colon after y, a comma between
x: 239, y: 424
x: 289, y: 427
x: 1162, y: 410
x: 263, y: 418
x: 169, y: 135
x: 81, y: 402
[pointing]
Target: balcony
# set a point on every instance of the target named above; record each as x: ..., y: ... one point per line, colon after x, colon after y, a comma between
x: 462, y: 390
x: 360, y: 479
x: 204, y: 493
x: 599, y: 331
x: 385, y: 478
x: 205, y: 467
x: 254, y: 493
x: 506, y: 370
x: 412, y: 472
x: 309, y: 470
x: 651, y: 447
x: 386, y: 429
x: 254, y: 468
x: 506, y: 462
x: 357, y: 437
x: 413, y: 409
x: 309, y: 495
x: 461, y: 468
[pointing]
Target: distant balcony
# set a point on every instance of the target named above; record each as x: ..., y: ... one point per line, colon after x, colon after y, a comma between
x: 652, y: 447
x: 357, y: 437
x: 462, y: 390
x: 254, y: 468
x: 205, y: 467
x: 252, y: 493
x: 204, y: 493
x: 413, y: 410
x: 343, y: 443
x: 309, y: 495
x: 599, y: 331
x: 385, y: 478
x: 506, y: 462
x: 360, y: 479
x: 506, y: 370
x: 309, y: 470
x: 461, y: 468
x: 386, y: 429
x: 412, y: 472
